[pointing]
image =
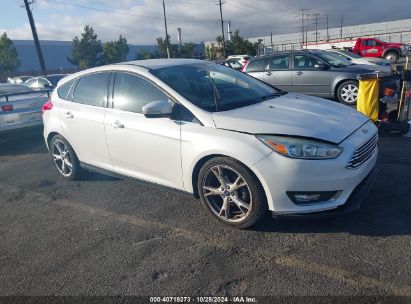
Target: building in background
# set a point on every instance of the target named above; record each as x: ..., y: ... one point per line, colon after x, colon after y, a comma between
x: 391, y: 31
x: 56, y: 52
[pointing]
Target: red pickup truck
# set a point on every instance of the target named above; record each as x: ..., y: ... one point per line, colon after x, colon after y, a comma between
x: 371, y: 47
x: 366, y: 47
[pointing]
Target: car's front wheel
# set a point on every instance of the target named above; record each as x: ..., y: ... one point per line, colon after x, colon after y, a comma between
x: 347, y: 92
x: 231, y: 193
x: 64, y: 157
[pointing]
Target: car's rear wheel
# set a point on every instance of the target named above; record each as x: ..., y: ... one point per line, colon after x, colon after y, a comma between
x: 64, y: 158
x: 231, y: 193
x: 347, y: 92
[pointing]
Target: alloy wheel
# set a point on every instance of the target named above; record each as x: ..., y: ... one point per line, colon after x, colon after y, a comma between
x: 227, y: 193
x: 349, y: 93
x: 62, y: 158
x: 391, y: 57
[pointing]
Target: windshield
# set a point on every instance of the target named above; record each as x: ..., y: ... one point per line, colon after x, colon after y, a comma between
x: 214, y: 88
x: 333, y: 60
x: 349, y: 54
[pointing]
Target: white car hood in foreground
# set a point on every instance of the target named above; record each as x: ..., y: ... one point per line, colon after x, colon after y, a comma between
x: 296, y: 115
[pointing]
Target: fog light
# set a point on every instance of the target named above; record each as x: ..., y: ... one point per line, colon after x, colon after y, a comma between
x: 312, y: 197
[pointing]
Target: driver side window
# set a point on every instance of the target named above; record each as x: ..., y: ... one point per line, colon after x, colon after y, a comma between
x: 132, y: 92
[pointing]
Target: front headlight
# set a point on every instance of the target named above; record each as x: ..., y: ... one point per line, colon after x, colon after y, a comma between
x: 300, y: 148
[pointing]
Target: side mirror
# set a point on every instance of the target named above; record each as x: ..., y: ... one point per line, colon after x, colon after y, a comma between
x: 156, y: 109
x: 321, y: 66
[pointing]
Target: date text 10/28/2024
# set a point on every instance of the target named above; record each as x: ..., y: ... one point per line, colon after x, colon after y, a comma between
x: 239, y: 299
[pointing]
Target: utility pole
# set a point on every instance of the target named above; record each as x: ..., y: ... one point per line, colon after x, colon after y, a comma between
x: 306, y: 29
x: 341, y: 27
x: 304, y: 15
x: 317, y: 18
x: 271, y: 43
x: 35, y: 37
x: 328, y: 34
x: 220, y: 3
x: 165, y: 25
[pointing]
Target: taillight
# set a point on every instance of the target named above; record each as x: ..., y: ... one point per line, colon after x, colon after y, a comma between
x: 7, y: 108
x: 47, y: 106
x: 245, y: 66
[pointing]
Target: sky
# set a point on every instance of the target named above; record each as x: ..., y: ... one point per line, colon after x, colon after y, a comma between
x: 141, y: 21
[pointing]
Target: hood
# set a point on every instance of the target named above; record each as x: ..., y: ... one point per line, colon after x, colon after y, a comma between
x: 369, y: 67
x: 357, y: 69
x: 294, y: 115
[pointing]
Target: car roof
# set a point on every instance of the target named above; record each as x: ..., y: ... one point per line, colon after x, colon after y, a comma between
x: 154, y: 64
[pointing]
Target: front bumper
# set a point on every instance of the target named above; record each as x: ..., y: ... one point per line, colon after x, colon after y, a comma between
x: 279, y: 175
x: 353, y: 203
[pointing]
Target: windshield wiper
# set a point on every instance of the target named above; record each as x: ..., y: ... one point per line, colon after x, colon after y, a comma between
x: 275, y: 94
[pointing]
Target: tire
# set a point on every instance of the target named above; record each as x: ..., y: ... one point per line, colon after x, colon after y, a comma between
x: 64, y: 158
x: 347, y: 92
x: 243, y: 193
x: 392, y: 57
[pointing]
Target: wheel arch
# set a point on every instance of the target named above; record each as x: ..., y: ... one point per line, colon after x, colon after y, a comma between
x: 204, y: 159
x: 392, y: 50
x: 50, y: 136
x: 340, y: 82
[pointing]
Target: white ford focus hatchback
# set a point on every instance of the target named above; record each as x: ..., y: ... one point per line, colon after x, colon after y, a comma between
x: 238, y: 144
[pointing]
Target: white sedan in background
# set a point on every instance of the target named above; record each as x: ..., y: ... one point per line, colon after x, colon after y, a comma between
x: 378, y: 63
x: 240, y: 145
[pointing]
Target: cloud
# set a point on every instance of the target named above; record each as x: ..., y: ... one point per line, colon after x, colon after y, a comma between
x: 142, y: 21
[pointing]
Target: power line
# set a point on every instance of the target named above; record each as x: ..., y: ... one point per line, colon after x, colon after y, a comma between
x: 115, y: 10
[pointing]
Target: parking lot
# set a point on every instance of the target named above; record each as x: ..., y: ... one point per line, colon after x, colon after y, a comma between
x: 105, y: 236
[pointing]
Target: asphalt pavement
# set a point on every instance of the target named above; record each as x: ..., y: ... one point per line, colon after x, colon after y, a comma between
x: 106, y: 236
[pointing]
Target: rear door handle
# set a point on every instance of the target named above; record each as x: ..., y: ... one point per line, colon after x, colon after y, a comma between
x: 118, y: 125
x: 299, y: 73
x: 268, y: 73
x: 68, y: 115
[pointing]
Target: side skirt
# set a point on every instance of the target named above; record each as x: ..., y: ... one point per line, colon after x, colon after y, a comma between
x: 98, y: 170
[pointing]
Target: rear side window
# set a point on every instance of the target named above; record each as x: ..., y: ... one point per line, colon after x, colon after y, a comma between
x: 279, y: 62
x: 92, y: 90
x: 256, y: 65
x: 131, y: 93
x: 63, y: 90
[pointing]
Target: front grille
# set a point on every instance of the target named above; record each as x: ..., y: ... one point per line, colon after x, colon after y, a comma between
x: 363, y: 153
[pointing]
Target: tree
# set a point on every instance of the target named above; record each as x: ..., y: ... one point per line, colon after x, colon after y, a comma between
x: 240, y: 45
x: 87, y: 51
x: 162, y: 47
x: 186, y: 50
x: 116, y: 51
x: 144, y: 54
x: 9, y: 62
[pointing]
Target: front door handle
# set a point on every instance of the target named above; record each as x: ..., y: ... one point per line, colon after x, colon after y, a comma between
x: 118, y: 125
x: 68, y: 115
x: 268, y: 73
x: 299, y: 73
